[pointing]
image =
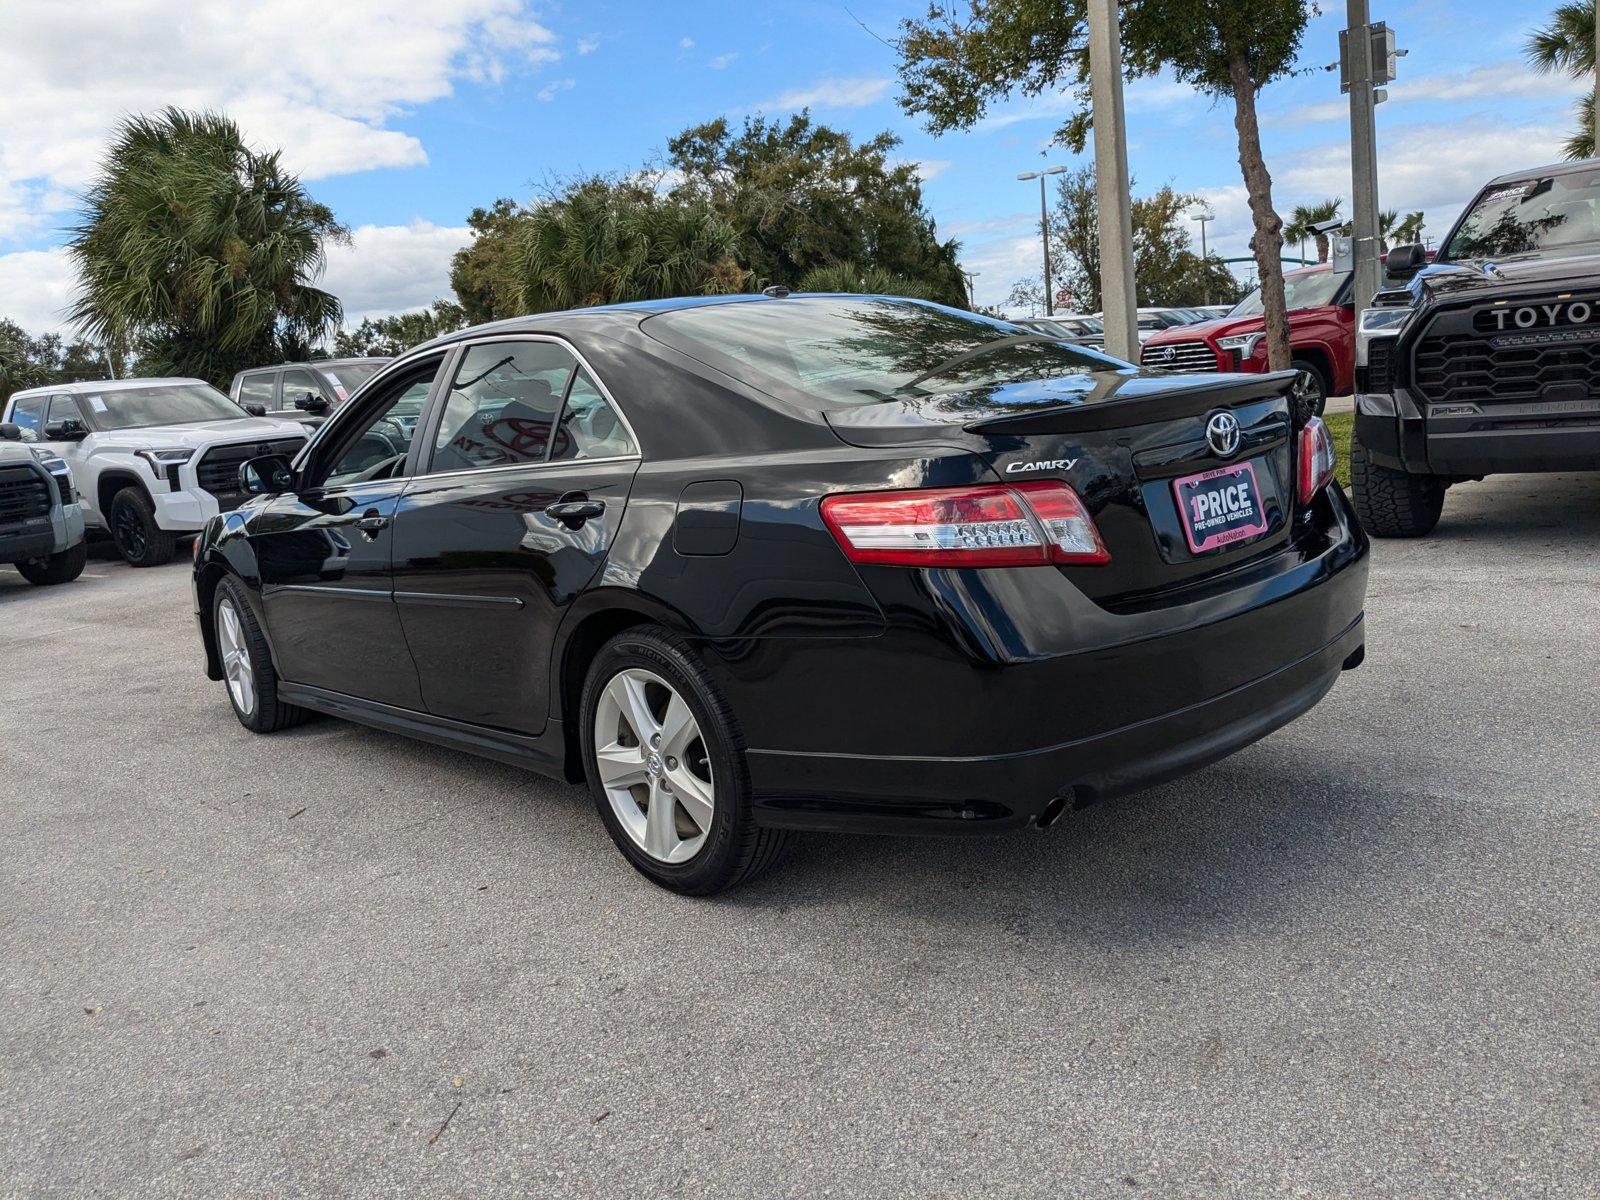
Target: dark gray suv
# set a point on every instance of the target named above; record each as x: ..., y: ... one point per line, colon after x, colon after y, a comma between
x: 306, y: 391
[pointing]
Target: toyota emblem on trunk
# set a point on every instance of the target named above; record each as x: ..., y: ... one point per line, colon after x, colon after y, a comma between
x: 1222, y: 434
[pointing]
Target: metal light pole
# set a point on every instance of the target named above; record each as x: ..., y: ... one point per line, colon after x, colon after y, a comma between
x: 971, y: 287
x: 1203, y: 218
x: 1044, y: 233
x: 1111, y: 181
x: 1363, y: 150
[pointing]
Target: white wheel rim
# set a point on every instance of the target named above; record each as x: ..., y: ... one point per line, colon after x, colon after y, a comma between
x: 235, y: 653
x: 653, y: 764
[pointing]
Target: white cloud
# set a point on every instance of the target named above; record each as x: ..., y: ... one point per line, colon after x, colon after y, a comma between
x: 392, y: 268
x: 550, y: 90
x: 385, y: 269
x: 588, y: 45
x: 36, y: 289
x: 723, y: 61
x: 832, y: 93
x: 926, y: 168
x: 1512, y: 79
x: 322, y: 81
x: 686, y: 43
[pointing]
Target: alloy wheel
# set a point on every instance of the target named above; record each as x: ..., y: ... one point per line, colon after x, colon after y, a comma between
x: 128, y: 531
x: 1308, y: 391
x: 653, y: 765
x: 235, y: 652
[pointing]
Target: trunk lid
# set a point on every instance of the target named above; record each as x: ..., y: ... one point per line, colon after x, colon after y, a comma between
x: 1122, y: 440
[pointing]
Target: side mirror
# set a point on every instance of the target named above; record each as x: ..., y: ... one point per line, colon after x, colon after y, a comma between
x: 269, y: 475
x: 69, y: 430
x: 312, y: 403
x: 10, y: 432
x: 1405, y: 261
x: 255, y: 410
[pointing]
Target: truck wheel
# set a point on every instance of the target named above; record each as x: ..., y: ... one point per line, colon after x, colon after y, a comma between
x: 1392, y: 503
x: 133, y: 528
x: 247, y: 665
x: 665, y: 761
x: 55, y: 568
x: 1310, y: 390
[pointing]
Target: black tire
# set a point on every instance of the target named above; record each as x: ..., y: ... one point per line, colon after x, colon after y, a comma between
x: 1391, y: 503
x: 1311, y: 391
x: 55, y: 568
x: 140, y: 541
x: 735, y: 848
x: 266, y: 714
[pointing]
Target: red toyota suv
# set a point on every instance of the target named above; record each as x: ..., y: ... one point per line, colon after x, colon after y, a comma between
x: 1322, y: 336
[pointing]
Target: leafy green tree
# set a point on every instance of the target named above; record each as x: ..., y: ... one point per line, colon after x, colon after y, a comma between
x: 1166, y: 269
x: 1566, y: 47
x: 1304, y: 217
x: 605, y: 244
x: 963, y: 56
x: 27, y: 361
x: 391, y: 336
x: 480, y: 273
x: 801, y: 195
x: 201, y: 251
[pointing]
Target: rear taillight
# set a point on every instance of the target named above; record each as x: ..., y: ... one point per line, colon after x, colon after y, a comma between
x: 1317, y: 459
x: 1020, y: 525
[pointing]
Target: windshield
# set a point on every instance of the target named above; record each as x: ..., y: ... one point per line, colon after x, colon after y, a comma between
x: 350, y: 376
x: 164, y: 404
x: 868, y: 350
x: 1314, y: 289
x: 1555, y: 215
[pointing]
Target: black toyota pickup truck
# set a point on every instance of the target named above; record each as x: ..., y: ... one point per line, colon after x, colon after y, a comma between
x: 1487, y: 360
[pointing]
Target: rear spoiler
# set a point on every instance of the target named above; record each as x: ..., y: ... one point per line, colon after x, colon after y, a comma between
x: 1142, y: 399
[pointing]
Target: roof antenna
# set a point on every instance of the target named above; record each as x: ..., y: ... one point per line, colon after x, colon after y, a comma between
x: 776, y: 292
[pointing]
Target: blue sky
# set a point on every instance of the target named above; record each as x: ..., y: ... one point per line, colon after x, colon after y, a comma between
x: 404, y: 117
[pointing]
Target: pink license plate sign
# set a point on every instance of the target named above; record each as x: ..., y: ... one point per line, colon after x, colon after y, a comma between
x: 1221, y: 507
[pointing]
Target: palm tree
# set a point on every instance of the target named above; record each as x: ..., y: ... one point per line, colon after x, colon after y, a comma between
x: 1304, y: 217
x: 1408, y: 230
x: 847, y: 277
x: 602, y: 244
x: 1566, y: 47
x: 200, y: 251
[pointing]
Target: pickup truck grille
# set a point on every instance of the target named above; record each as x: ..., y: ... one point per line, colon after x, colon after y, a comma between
x: 1467, y: 368
x: 1179, y: 356
x: 218, y: 468
x: 23, y: 494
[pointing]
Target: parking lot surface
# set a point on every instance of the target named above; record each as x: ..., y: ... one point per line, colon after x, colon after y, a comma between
x: 1358, y: 958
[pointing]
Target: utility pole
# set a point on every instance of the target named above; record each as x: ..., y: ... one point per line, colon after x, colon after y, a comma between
x: 1111, y: 182
x: 1044, y: 233
x: 1358, y: 73
x: 971, y: 287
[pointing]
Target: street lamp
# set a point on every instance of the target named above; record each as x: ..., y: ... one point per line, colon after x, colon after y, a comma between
x: 1202, y: 216
x: 1044, y: 234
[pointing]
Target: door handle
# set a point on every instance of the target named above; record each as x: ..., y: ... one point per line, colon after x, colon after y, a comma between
x: 573, y: 509
x: 372, y: 523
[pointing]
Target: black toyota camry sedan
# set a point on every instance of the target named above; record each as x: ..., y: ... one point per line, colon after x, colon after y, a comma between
x: 755, y: 564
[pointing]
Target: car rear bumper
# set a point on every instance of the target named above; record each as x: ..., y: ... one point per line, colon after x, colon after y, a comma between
x: 1009, y: 691
x: 991, y: 793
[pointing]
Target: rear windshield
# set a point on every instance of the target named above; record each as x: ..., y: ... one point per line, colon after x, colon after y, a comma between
x: 866, y: 350
x: 1556, y: 215
x: 164, y: 404
x: 350, y: 376
x: 1315, y: 289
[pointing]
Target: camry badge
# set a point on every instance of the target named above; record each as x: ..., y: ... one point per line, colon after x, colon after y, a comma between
x: 1223, y: 435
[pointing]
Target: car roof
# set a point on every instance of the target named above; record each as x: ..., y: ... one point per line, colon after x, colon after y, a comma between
x: 633, y: 314
x: 104, y: 385
x: 1564, y: 168
x: 320, y: 362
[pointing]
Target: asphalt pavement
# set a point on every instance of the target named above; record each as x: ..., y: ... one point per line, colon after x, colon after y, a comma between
x: 1360, y: 958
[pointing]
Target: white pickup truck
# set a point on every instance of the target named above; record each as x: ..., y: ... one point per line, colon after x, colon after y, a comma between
x: 151, y: 459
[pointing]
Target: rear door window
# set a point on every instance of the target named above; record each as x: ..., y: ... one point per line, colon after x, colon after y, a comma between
x: 589, y: 427
x: 258, y: 389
